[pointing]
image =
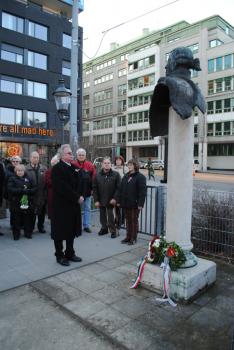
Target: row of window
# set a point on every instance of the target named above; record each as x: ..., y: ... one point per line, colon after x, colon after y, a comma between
x: 23, y: 56
x: 103, y: 95
x: 102, y: 124
x: 139, y: 100
x: 103, y: 79
x: 141, y: 64
x: 139, y: 135
x: 220, y: 106
x: 102, y: 110
x: 102, y: 139
x: 30, y: 58
x: 140, y: 82
x: 220, y: 128
x: 220, y: 63
x: 220, y: 85
x: 139, y: 117
x: 219, y: 149
x: 30, y: 28
x: 11, y: 116
x: 106, y: 64
x: 23, y: 87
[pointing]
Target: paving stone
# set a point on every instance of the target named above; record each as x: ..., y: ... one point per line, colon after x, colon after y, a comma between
x: 127, y: 269
x: 93, y: 269
x: 57, y: 290
x: 109, y: 320
x: 111, y: 263
x: 132, y: 307
x: 212, y: 320
x: 109, y: 276
x: 135, y: 335
x: 128, y: 257
x: 109, y: 295
x: 85, y: 306
x: 223, y: 304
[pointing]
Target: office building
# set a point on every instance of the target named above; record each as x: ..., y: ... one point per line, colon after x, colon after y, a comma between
x: 117, y: 88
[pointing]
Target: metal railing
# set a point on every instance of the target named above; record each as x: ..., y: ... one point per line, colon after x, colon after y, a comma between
x: 212, y: 220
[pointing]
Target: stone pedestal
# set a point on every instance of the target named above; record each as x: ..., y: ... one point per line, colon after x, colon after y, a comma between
x: 186, y: 284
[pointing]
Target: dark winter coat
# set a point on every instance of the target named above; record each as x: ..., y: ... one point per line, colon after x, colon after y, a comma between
x: 17, y: 186
x: 106, y: 186
x: 132, y: 191
x: 48, y: 182
x: 2, y: 179
x: 9, y: 172
x: 37, y: 177
x: 67, y: 186
x: 88, y: 172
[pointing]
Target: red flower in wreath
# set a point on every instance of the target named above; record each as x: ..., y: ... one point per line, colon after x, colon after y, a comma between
x: 171, y: 252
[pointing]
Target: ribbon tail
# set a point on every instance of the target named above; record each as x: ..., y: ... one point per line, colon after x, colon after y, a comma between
x: 139, y: 274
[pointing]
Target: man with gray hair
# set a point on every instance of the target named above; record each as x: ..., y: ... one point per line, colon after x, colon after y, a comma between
x: 36, y: 173
x: 89, y: 173
x: 67, y: 184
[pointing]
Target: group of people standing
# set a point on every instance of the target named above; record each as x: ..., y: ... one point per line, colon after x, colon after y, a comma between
x: 118, y: 191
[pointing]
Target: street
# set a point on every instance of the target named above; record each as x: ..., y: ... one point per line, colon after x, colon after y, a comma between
x: 215, y: 181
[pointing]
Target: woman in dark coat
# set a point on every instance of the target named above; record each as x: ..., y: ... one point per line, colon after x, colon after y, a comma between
x: 66, y: 213
x: 131, y: 198
x: 19, y: 186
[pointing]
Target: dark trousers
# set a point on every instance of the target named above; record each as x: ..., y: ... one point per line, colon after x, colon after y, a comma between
x: 68, y: 253
x: 119, y: 217
x: 19, y: 219
x: 131, y: 217
x: 40, y: 219
x: 107, y: 219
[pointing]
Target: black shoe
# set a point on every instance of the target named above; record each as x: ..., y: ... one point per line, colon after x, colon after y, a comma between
x: 131, y: 242
x: 75, y: 258
x: 113, y: 235
x: 1, y: 234
x: 125, y: 240
x: 63, y: 261
x: 42, y: 230
x: 16, y: 238
x: 28, y: 236
x: 87, y: 229
x: 102, y: 232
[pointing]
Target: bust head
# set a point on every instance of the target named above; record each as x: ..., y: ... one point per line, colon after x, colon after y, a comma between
x: 181, y: 57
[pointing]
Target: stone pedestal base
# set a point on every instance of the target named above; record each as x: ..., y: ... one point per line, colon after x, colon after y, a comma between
x: 186, y: 284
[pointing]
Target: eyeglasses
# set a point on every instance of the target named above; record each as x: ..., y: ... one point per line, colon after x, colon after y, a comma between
x: 81, y: 155
x: 15, y: 161
x: 68, y: 153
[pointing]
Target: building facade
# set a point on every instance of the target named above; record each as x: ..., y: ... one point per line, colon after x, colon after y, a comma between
x: 118, y: 87
x: 35, y: 46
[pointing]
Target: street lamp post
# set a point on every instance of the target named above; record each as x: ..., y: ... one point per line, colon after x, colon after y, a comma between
x: 62, y: 98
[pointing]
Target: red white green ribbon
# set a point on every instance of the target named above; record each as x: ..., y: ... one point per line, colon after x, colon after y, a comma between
x: 140, y: 271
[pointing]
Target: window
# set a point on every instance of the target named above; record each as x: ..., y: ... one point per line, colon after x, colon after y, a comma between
x: 218, y: 129
x: 218, y: 106
x: 210, y: 87
x: 210, y: 129
x: 227, y: 61
x: 215, y: 42
x: 220, y: 149
x: 227, y: 83
x: 210, y: 107
x: 219, y: 83
x: 193, y: 48
x: 219, y: 64
x: 227, y: 128
x: 12, y: 53
x: 67, y: 41
x: 121, y: 121
x: 211, y: 66
x: 35, y: 119
x: 86, y: 84
x: 37, y: 31
x: 122, y: 105
x: 12, y: 22
x: 122, y: 89
x: 10, y: 116
x: 227, y: 105
x: 195, y: 130
x: 11, y: 85
x: 66, y: 68
x: 121, y: 137
x: 37, y: 60
x: 36, y: 89
x: 122, y: 72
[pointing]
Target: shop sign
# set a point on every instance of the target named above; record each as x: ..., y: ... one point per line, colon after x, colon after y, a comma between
x: 23, y: 130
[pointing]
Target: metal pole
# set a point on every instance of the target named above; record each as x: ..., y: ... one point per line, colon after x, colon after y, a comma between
x: 74, y: 78
x: 62, y: 130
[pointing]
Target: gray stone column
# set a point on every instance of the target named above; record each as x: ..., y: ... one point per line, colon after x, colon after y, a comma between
x: 180, y: 180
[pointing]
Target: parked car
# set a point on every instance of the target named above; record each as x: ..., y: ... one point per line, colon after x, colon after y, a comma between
x: 142, y: 164
x: 156, y: 164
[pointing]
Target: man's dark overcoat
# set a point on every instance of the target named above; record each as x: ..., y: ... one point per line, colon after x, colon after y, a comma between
x: 66, y: 214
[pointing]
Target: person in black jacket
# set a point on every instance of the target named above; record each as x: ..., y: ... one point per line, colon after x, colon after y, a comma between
x: 68, y: 195
x: 20, y: 191
x: 131, y: 198
x: 105, y: 189
x: 2, y: 178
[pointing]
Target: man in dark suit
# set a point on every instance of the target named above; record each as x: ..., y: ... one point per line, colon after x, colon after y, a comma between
x: 2, y: 178
x: 68, y: 191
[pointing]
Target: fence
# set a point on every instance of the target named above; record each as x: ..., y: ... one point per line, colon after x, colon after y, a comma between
x: 212, y: 220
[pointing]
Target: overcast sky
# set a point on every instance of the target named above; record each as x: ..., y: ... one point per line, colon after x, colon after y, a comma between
x: 101, y: 15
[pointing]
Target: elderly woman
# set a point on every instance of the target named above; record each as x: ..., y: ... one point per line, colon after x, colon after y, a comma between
x: 131, y: 198
x: 21, y: 191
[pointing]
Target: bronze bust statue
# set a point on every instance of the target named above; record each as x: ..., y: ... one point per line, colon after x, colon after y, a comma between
x: 176, y: 89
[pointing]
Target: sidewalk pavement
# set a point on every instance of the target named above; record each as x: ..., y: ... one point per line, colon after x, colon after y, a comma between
x: 91, y: 306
